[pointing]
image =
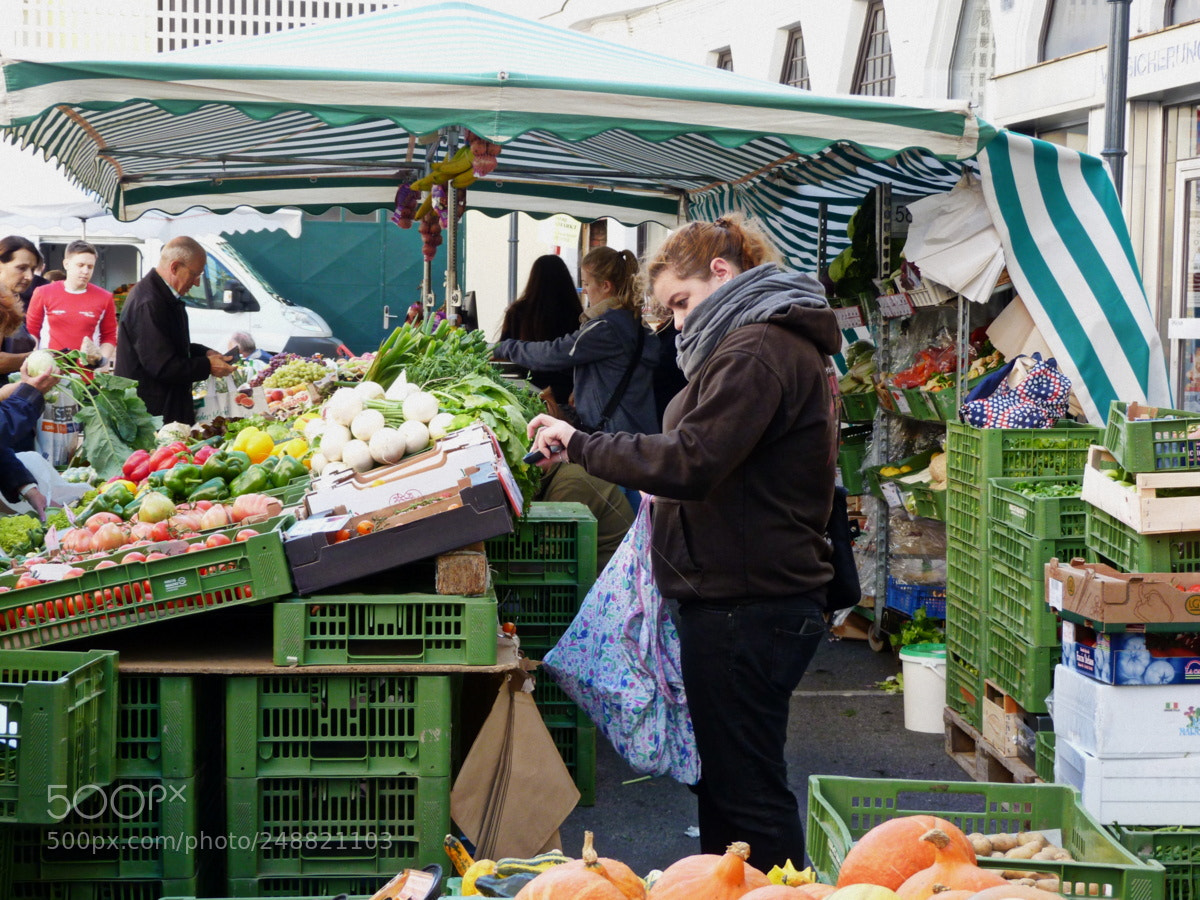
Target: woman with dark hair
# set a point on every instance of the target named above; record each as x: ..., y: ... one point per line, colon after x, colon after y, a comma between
x: 23, y: 403
x: 548, y: 308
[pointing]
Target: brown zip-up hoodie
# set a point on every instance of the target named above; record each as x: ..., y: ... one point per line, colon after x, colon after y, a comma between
x: 743, y: 473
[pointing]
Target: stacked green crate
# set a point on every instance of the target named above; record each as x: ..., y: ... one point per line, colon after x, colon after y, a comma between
x: 336, y: 775
x: 104, y: 890
x: 1176, y: 847
x: 541, y: 573
x: 973, y: 456
x: 144, y: 831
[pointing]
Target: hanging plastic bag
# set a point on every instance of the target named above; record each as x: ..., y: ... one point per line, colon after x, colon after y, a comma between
x: 619, y: 661
x: 58, y: 434
x: 220, y: 399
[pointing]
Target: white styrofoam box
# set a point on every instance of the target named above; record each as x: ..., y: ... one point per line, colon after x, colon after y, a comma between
x: 1124, y: 720
x: 1132, y: 791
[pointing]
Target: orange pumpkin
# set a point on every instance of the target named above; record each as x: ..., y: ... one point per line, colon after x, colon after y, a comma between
x: 952, y: 868
x: 1012, y: 892
x: 776, y: 892
x: 589, y: 878
x: 814, y: 891
x: 706, y: 876
x: 893, y: 850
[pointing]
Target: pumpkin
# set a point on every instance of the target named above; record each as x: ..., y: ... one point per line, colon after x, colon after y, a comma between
x: 706, y: 876
x: 953, y: 867
x: 863, y: 892
x: 941, y: 892
x: 589, y: 878
x: 1014, y: 892
x: 775, y: 892
x: 893, y: 850
x: 814, y: 891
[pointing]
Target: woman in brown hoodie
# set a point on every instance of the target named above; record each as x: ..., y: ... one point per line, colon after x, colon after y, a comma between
x: 742, y: 478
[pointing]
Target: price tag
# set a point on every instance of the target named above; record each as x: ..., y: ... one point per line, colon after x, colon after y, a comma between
x: 893, y: 306
x: 901, y: 403
x: 849, y: 316
x: 1054, y: 595
x: 891, y: 493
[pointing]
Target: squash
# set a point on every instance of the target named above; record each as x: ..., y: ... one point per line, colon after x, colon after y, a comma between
x: 1015, y: 892
x: 863, y: 892
x: 814, y: 891
x: 893, y: 850
x: 953, y: 867
x: 774, y: 892
x: 706, y: 876
x: 589, y: 878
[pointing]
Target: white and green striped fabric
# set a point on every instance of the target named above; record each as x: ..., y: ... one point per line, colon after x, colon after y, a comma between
x: 341, y: 114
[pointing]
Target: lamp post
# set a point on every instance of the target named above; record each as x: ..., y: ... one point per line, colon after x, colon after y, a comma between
x: 1114, y: 101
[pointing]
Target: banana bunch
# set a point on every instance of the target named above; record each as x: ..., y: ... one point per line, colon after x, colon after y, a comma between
x: 455, y: 169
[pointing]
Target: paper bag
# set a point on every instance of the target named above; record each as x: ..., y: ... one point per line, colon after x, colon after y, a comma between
x: 513, y: 790
x: 220, y: 396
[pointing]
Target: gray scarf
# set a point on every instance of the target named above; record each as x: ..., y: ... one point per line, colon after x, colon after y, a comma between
x: 752, y: 297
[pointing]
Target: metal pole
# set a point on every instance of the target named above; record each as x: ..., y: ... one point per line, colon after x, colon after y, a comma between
x: 1114, y: 101
x: 513, y: 241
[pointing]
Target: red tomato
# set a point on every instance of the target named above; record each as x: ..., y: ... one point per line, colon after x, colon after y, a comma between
x: 73, y: 572
x: 133, y: 556
x: 197, y: 547
x: 204, y: 505
x: 364, y: 527
x: 245, y: 534
x: 161, y: 531
x: 26, y: 580
x: 217, y: 540
x: 108, y: 563
x: 342, y: 535
x: 155, y: 554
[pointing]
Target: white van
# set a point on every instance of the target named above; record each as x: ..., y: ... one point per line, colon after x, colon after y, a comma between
x: 230, y: 297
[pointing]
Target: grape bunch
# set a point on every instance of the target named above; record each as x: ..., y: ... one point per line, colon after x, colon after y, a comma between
x: 298, y: 371
x: 277, y: 361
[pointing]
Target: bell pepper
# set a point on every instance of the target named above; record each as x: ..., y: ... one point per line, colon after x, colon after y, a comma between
x: 181, y: 479
x: 141, y: 472
x: 214, y: 489
x: 258, y: 446
x: 131, y: 465
x: 100, y: 503
x: 252, y: 481
x: 168, y: 456
x: 201, y: 455
x: 226, y: 464
x: 119, y: 492
x: 286, y: 469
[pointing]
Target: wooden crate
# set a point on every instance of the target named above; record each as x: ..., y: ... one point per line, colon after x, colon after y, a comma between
x: 1140, y: 507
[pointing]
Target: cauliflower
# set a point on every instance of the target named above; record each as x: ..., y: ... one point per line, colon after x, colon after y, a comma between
x: 173, y: 431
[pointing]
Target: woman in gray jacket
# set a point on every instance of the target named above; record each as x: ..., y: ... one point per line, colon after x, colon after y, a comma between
x: 602, y: 349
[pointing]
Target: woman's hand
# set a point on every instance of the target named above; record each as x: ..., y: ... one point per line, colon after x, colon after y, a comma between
x: 551, y: 435
x: 37, y: 500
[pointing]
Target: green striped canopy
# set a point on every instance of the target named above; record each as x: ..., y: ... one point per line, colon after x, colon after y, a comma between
x: 341, y: 114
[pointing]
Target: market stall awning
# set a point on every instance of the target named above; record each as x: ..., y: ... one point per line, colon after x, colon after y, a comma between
x: 588, y: 128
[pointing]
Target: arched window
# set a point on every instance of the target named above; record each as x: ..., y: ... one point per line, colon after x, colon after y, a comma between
x: 1074, y: 25
x: 874, y: 74
x: 1179, y: 11
x: 974, y: 53
x: 795, y: 61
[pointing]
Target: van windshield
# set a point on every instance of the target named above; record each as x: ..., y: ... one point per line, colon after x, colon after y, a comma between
x: 210, y: 292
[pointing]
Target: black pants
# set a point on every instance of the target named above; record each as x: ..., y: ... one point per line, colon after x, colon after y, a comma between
x: 741, y: 662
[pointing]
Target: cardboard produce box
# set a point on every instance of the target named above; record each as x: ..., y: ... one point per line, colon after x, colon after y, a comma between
x: 1131, y: 657
x: 1146, y: 790
x: 1103, y: 594
x: 1140, y: 507
x: 1118, y: 721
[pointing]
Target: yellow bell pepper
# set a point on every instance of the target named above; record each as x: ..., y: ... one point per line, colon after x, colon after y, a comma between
x: 244, y: 436
x: 297, y: 447
x: 258, y: 446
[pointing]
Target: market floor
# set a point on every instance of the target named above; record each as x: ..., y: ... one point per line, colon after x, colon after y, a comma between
x: 841, y: 724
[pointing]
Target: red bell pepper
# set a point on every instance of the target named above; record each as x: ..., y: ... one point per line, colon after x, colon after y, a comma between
x: 166, y: 457
x: 141, y: 473
x: 203, y: 453
x: 135, y: 459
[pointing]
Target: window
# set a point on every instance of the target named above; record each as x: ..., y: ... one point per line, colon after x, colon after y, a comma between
x: 875, y: 76
x: 1074, y: 25
x: 1179, y: 11
x: 974, y: 53
x: 210, y: 292
x: 795, y: 63
x: 725, y: 59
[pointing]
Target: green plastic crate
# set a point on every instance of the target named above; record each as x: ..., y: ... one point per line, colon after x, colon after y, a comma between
x: 322, y: 888
x: 964, y: 689
x: 929, y: 503
x: 1153, y: 445
x: 6, y: 858
x: 365, y: 825
x: 132, y: 594
x: 61, y: 710
x: 577, y: 746
x: 860, y: 406
x: 344, y: 629
x: 292, y: 492
x: 875, y: 479
x: 841, y: 810
x: 541, y: 612
x: 1020, y: 669
x: 855, y: 442
x: 157, y: 717
x: 111, y: 890
x: 1044, y: 756
x: 966, y: 596
x: 299, y: 724
x: 965, y: 513
x: 1114, y: 541
x: 554, y: 543
x: 1017, y: 581
x: 1178, y: 849
x: 136, y: 828
x: 974, y: 455
x: 1042, y: 518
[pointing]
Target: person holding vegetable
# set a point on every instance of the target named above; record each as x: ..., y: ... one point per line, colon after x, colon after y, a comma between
x: 548, y: 308
x: 154, y: 345
x: 603, y: 349
x: 743, y: 479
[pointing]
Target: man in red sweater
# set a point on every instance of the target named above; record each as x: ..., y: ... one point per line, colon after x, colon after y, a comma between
x: 63, y: 313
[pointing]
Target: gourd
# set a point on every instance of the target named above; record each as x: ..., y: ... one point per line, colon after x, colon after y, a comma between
x: 863, y: 892
x: 706, y: 876
x: 892, y: 851
x: 778, y: 892
x: 953, y: 867
x: 814, y: 891
x: 1014, y: 892
x: 589, y: 878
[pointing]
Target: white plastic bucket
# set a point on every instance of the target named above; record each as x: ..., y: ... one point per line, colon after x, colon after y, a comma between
x: 924, y: 686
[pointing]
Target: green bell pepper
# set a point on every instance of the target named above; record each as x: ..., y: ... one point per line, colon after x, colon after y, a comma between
x: 214, y: 489
x: 101, y: 503
x: 181, y: 479
x: 120, y: 493
x: 252, y: 481
x: 225, y: 464
x: 286, y: 469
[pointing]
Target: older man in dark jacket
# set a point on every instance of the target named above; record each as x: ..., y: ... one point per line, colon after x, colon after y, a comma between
x: 154, y: 345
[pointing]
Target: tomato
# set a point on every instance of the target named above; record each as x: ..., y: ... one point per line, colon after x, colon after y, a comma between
x: 161, y: 531
x: 155, y: 554
x: 509, y: 628
x: 245, y: 534
x: 73, y: 572
x: 197, y: 547
x: 1195, y: 589
x: 27, y: 580
x: 217, y: 540
x: 340, y: 536
x: 364, y: 527
x: 132, y: 556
